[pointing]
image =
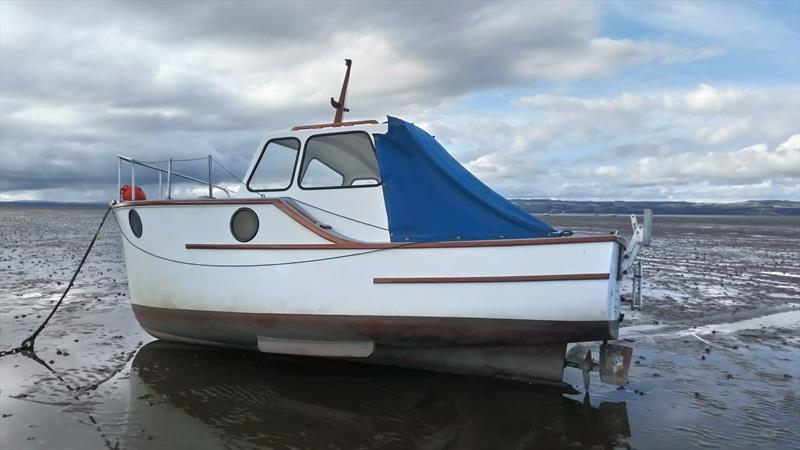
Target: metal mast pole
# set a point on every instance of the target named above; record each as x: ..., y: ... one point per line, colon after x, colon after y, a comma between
x: 340, y: 108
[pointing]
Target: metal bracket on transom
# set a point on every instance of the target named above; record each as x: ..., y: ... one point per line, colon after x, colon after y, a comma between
x: 615, y: 362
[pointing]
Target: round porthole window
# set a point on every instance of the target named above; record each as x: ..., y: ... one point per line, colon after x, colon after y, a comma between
x: 136, y: 223
x: 244, y: 224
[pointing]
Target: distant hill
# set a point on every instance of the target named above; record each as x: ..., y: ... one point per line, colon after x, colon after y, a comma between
x: 543, y: 206
x: 747, y: 208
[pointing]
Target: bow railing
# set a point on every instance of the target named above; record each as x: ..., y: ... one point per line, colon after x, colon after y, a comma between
x: 170, y: 173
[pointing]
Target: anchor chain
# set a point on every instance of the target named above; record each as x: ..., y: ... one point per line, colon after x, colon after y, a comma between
x: 28, y: 344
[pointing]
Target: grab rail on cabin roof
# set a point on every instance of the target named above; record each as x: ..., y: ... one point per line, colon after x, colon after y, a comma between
x: 169, y: 172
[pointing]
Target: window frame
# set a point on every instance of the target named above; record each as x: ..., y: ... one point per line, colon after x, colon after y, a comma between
x: 305, y: 148
x: 261, y: 156
x: 233, y: 216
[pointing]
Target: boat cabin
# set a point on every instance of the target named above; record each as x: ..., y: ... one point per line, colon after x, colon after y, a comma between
x: 334, y: 168
x: 385, y: 182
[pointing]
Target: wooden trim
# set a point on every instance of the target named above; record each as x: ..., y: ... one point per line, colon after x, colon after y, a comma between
x: 335, y: 125
x: 354, y: 245
x: 340, y: 243
x: 211, y: 201
x: 303, y: 220
x: 494, y: 279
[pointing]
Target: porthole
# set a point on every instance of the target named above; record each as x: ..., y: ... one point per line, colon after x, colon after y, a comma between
x: 136, y: 223
x: 244, y: 224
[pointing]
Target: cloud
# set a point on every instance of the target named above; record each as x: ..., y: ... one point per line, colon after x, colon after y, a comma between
x: 706, y: 98
x: 608, y: 171
x: 694, y: 142
x: 753, y: 164
x: 711, y: 114
x: 624, y: 102
x: 603, y: 55
x: 84, y: 81
x: 178, y: 56
x: 719, y: 134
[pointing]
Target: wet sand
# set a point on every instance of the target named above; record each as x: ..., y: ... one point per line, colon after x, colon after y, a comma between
x: 716, y: 349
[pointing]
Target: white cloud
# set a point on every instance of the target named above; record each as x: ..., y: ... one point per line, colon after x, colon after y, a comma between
x: 706, y: 99
x: 624, y: 102
x: 603, y: 55
x: 490, y: 166
x: 719, y: 134
x: 756, y: 163
x: 690, y: 142
x: 608, y: 171
x: 750, y: 165
x: 710, y: 99
x: 711, y: 115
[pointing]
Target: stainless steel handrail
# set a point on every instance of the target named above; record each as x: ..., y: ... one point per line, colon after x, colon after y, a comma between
x: 170, y: 173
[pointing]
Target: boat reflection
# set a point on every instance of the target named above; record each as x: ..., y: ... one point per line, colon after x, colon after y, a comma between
x: 202, y: 397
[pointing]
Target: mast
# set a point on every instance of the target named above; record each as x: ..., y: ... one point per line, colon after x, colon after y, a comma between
x: 339, y: 106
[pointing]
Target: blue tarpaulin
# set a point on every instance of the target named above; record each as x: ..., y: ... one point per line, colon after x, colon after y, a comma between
x: 431, y: 197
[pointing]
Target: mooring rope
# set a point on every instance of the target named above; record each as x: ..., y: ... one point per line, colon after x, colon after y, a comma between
x: 28, y: 343
x: 339, y: 215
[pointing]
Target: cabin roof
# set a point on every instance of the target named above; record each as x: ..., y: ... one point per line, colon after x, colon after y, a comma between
x: 335, y: 125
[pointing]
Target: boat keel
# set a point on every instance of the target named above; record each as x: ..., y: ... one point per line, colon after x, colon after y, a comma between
x: 536, y: 364
x: 325, y: 349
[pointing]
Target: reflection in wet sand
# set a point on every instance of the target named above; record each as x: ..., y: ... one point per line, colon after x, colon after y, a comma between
x: 210, y: 398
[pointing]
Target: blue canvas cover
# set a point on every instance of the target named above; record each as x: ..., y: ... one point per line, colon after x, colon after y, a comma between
x: 431, y: 197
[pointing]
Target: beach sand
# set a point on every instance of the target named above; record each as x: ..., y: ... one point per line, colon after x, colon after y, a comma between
x: 716, y: 359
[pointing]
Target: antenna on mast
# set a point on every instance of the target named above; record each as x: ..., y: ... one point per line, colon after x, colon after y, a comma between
x: 339, y: 106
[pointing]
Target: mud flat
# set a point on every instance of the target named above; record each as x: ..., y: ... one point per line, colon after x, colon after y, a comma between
x: 716, y: 349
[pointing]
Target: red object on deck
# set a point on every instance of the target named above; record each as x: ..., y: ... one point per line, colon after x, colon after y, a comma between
x: 126, y: 193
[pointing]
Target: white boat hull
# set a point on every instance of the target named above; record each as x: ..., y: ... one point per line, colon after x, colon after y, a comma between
x: 293, y: 284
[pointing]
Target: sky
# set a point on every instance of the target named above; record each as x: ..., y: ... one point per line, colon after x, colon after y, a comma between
x: 695, y: 101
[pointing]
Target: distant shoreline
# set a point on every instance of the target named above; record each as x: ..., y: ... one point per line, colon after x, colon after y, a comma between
x: 746, y: 208
x: 36, y: 204
x: 559, y: 207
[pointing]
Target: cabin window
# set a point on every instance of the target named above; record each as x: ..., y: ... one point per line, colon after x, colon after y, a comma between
x: 319, y: 174
x: 339, y: 160
x: 275, y: 167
